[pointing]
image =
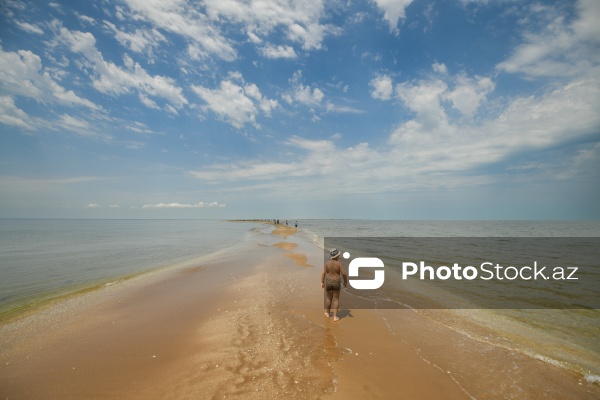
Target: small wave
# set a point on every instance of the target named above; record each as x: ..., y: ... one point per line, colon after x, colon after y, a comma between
x: 312, y: 237
x: 548, y: 360
x: 595, y: 379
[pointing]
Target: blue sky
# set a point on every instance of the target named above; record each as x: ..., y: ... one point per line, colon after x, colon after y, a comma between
x: 300, y: 109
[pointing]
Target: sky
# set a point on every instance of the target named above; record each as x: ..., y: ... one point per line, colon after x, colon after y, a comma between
x: 373, y: 109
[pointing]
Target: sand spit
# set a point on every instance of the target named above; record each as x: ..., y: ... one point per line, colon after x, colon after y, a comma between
x: 250, y: 325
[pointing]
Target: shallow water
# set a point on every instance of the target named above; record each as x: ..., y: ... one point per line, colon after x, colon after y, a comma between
x: 40, y: 259
x: 567, y: 338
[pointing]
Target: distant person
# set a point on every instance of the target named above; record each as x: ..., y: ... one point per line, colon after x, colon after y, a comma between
x: 286, y: 224
x: 331, y: 281
x: 296, y: 224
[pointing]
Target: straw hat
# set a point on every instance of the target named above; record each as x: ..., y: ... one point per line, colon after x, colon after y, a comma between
x: 335, y: 253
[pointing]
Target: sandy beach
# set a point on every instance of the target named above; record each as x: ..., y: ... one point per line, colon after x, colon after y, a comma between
x: 250, y: 325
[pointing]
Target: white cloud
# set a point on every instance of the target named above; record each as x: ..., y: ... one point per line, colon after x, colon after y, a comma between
x: 185, y: 19
x: 171, y: 110
x: 76, y: 125
x: 10, y: 114
x: 317, y: 165
x: 111, y: 79
x: 393, y: 11
x: 424, y: 98
x: 139, y: 127
x: 148, y: 102
x: 86, y: 19
x: 440, y: 68
x: 266, y: 105
x: 278, y: 52
x: 30, y: 28
x: 22, y: 74
x: 301, y: 93
x: 300, y: 20
x: 527, y: 123
x: 142, y: 40
x: 431, y: 150
x: 235, y: 104
x: 341, y: 109
x: 92, y: 205
x: 382, y: 87
x: 560, y: 49
x: 469, y: 93
x: 243, y: 171
x: 180, y: 205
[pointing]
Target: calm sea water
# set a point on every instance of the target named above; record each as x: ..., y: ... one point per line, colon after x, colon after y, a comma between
x: 567, y: 338
x: 40, y: 259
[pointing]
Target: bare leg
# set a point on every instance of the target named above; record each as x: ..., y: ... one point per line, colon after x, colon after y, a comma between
x: 336, y: 305
x: 328, y: 302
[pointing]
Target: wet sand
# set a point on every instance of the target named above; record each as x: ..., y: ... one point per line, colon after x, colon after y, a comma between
x: 250, y: 325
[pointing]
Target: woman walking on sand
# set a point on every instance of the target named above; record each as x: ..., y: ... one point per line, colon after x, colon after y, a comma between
x: 331, y: 281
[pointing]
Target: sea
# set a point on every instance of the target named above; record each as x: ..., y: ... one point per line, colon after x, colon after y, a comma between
x: 42, y: 259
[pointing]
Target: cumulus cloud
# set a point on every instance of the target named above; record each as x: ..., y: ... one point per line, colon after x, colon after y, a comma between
x: 393, y: 11
x: 432, y: 149
x: 440, y: 68
x: 271, y: 51
x: 203, y: 25
x: 560, y: 48
x: 526, y: 124
x: 299, y: 20
x: 200, y: 204
x: 382, y: 87
x: 22, y: 74
x: 424, y: 98
x: 236, y: 104
x: 111, y: 79
x: 139, y: 41
x: 10, y: 114
x: 468, y: 93
x: 301, y: 93
x: 185, y: 19
x: 427, y: 97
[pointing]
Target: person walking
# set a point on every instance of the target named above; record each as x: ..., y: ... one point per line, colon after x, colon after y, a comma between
x: 331, y: 281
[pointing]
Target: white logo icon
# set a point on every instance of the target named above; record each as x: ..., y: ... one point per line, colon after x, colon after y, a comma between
x: 366, y: 262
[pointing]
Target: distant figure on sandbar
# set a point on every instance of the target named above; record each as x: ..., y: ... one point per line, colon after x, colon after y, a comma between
x: 331, y: 281
x: 296, y: 225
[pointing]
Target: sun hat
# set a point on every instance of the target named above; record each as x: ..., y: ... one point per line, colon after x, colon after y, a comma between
x: 334, y: 253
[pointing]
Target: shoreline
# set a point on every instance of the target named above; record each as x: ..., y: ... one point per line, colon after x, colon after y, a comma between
x: 33, y: 303
x: 249, y: 324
